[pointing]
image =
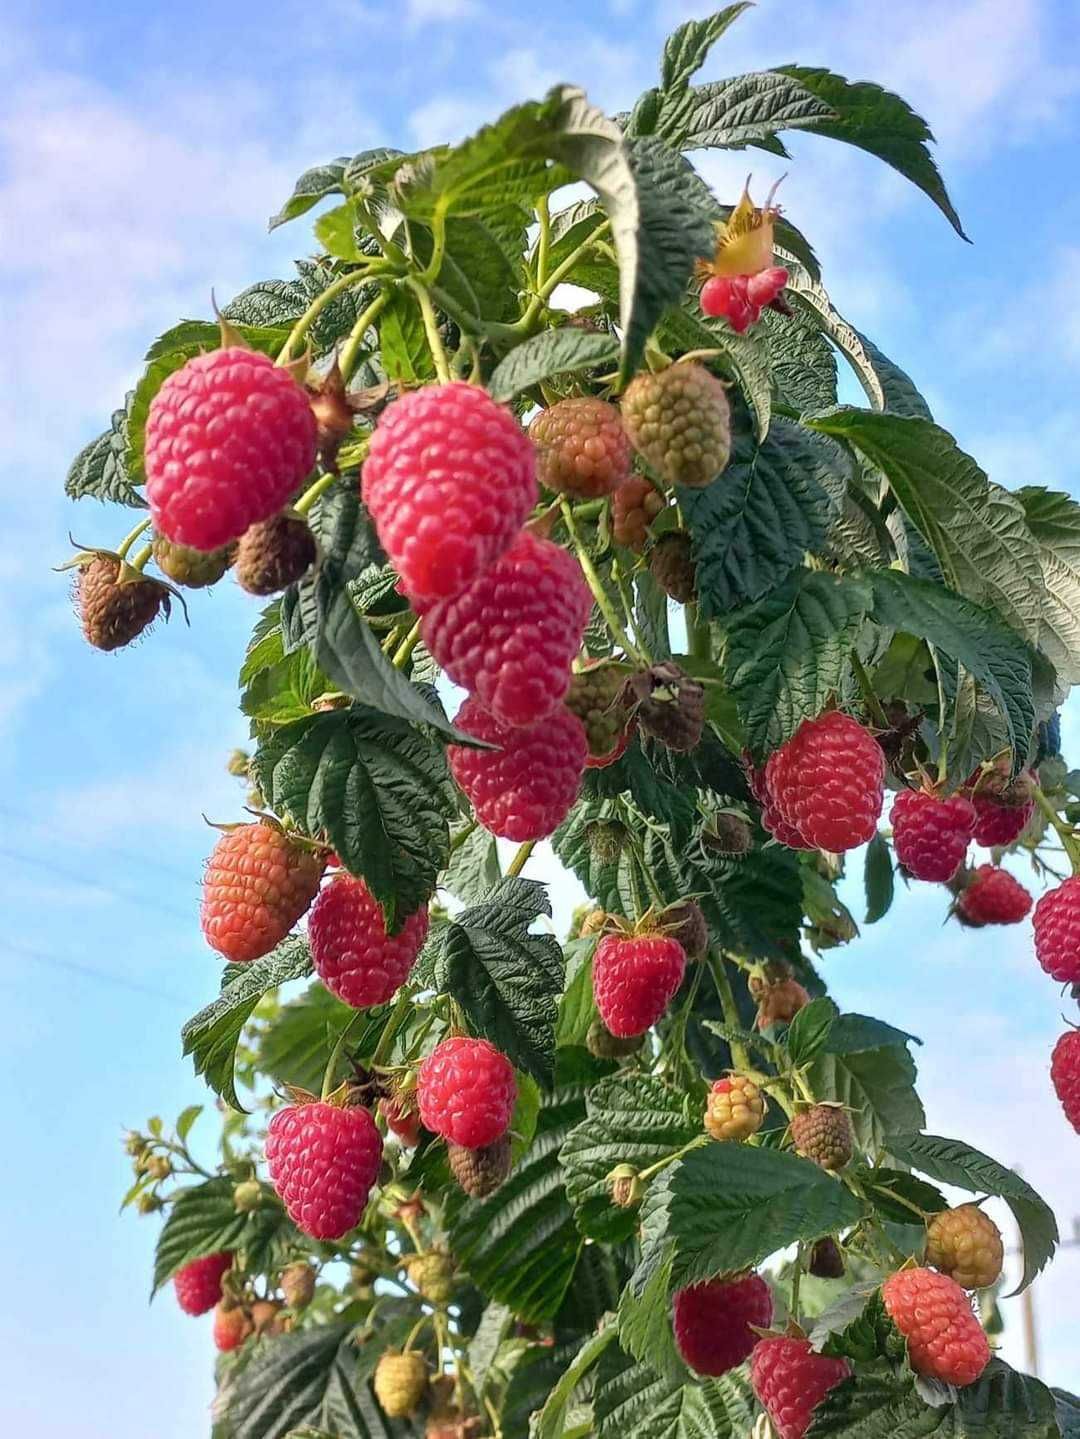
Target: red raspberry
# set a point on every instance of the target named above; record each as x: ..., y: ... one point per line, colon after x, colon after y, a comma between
x: 198, y: 1284
x: 945, y: 1340
x: 634, y: 506
x: 828, y: 782
x: 1065, y: 1074
x: 229, y: 438
x: 712, y: 1321
x: 527, y: 787
x: 231, y: 1327
x: 993, y: 896
x: 353, y: 954
x: 401, y: 1120
x: 466, y: 1091
x: 511, y: 637
x: 634, y: 978
x: 931, y: 835
x: 1002, y: 807
x: 1057, y: 931
x: 771, y: 819
x: 790, y: 1381
x: 725, y: 297
x: 257, y: 884
x: 323, y: 1162
x: 763, y: 288
x: 582, y: 448
x: 449, y: 480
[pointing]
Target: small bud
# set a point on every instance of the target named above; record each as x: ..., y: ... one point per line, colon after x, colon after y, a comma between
x: 247, y: 1196
x: 238, y: 763
x: 625, y: 1186
x: 298, y: 1285
x: 135, y: 1144
x: 148, y: 1203
x: 158, y: 1166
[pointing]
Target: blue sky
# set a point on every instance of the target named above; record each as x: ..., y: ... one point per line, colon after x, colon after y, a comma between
x: 140, y: 152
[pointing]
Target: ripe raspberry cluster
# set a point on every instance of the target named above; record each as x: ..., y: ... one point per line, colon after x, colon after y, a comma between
x: 740, y: 299
x: 323, y: 1162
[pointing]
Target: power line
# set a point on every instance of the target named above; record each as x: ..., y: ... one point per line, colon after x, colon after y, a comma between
x: 129, y: 856
x: 133, y: 896
x: 89, y: 972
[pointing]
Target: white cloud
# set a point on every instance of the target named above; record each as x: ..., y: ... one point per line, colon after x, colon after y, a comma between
x: 426, y: 12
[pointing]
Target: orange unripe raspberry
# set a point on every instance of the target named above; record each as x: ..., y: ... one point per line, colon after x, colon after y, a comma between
x: 581, y: 447
x: 965, y: 1244
x: 258, y: 883
x: 932, y: 1312
x: 735, y: 1108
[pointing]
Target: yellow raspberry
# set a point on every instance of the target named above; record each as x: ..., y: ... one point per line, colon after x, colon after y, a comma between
x: 400, y: 1383
x: 965, y: 1244
x: 734, y: 1109
x: 433, y: 1275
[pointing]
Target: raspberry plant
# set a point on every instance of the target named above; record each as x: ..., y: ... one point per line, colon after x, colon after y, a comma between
x: 706, y: 617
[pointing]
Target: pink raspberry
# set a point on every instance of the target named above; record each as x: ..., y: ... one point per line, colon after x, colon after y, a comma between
x: 763, y: 288
x: 1065, y: 1075
x: 449, y: 480
x: 634, y: 979
x: 771, y: 820
x: 945, y: 1340
x: 401, y: 1119
x: 992, y: 896
x: 582, y: 448
x: 725, y: 297
x: 198, y: 1284
x: 323, y: 1162
x: 353, y: 954
x: 827, y: 782
x: 229, y: 438
x: 525, y: 788
x: 1057, y: 931
x: 790, y: 1381
x: 511, y: 637
x: 931, y: 835
x: 712, y: 1321
x: 466, y: 1091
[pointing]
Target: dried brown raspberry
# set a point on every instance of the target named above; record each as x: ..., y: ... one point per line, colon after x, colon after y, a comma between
x: 779, y: 1003
x: 686, y: 923
x: 668, y: 704
x: 826, y: 1259
x: 480, y: 1172
x: 672, y: 566
x: 116, y: 602
x: 271, y: 555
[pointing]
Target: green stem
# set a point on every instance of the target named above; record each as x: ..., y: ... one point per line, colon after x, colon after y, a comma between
x: 1065, y: 832
x: 351, y: 347
x: 462, y: 835
x: 730, y: 1009
x: 698, y: 633
x: 414, y: 1331
x: 397, y: 1017
x: 315, y: 309
x: 943, y: 748
x: 438, y: 235
x: 405, y: 649
x: 139, y: 562
x: 795, y: 1281
x: 521, y: 859
x: 873, y: 704
x: 130, y: 538
x: 654, y: 1169
x: 556, y: 278
x: 335, y: 1055
x: 431, y: 329
x: 312, y: 493
x: 543, y: 249
x: 592, y: 579
x: 554, y: 1410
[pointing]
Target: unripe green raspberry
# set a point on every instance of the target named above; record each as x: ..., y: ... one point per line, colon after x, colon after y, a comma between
x: 433, y: 1275
x: 823, y: 1133
x: 965, y: 1244
x: 595, y: 696
x: 148, y: 1203
x: 158, y: 1166
x: 194, y: 569
x: 247, y: 1196
x: 680, y: 421
x: 602, y: 1044
x: 400, y: 1382
x: 734, y: 1109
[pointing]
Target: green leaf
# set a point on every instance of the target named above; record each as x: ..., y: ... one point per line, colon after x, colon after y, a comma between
x: 878, y: 879
x: 309, y: 1378
x: 976, y: 530
x: 274, y: 303
x: 193, y: 336
x: 809, y: 1031
x: 403, y: 342
x: 632, y: 1119
x: 552, y: 352
x: 811, y: 299
x: 376, y: 788
x: 881, y: 123
x: 576, y: 1007
x: 742, y: 110
x: 506, y: 980
x: 186, y: 1119
x: 99, y: 470
x: 521, y: 1245
x: 495, y: 1323
x: 295, y: 1045
x: 474, y: 867
x: 313, y: 185
x: 633, y: 1401
x: 645, y: 1315
x: 1068, y: 1413
x: 950, y: 1161
x: 898, y: 389
x: 893, y: 1191
x: 153, y: 377
x: 729, y: 1206
x: 789, y: 652
x: 802, y: 361
x: 753, y: 525
x: 1054, y: 520
x: 973, y: 636
x: 211, y: 1036
x: 335, y: 231
x: 866, y: 1066
x: 687, y: 48
x: 551, y: 1420
x: 201, y: 1220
